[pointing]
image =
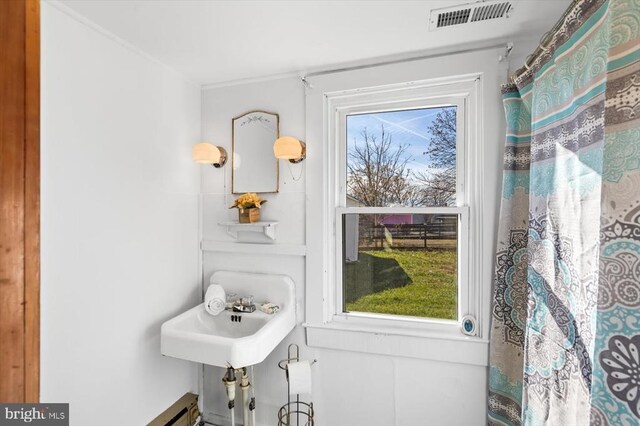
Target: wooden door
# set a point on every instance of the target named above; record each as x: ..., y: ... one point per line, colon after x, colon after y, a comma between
x: 19, y: 200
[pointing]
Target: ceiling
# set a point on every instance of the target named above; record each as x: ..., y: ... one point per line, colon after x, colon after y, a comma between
x: 214, y: 42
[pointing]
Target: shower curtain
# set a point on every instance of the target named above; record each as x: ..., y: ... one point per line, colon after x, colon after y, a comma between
x: 565, y: 332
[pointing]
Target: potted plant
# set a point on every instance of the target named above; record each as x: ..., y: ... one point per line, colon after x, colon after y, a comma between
x: 248, y: 206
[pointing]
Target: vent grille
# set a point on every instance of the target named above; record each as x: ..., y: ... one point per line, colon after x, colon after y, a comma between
x: 492, y: 11
x: 468, y: 13
x: 453, y: 18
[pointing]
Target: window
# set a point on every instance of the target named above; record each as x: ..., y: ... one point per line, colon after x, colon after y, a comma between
x: 402, y: 210
x: 393, y: 213
x: 399, y: 237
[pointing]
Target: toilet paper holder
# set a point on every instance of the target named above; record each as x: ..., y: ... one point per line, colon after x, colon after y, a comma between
x: 300, y: 411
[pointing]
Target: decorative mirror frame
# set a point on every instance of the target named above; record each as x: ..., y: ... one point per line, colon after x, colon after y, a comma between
x: 233, y: 150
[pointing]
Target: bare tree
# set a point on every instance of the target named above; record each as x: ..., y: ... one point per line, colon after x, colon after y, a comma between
x: 378, y: 174
x: 377, y: 170
x: 442, y: 149
x: 437, y: 189
x: 440, y: 187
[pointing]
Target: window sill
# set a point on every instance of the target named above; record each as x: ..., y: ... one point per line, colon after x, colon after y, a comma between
x: 402, y: 343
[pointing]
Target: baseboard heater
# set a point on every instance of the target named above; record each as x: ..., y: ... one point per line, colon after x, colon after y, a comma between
x: 184, y: 412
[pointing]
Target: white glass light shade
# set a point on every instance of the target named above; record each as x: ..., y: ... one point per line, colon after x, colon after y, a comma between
x: 289, y: 148
x: 205, y: 153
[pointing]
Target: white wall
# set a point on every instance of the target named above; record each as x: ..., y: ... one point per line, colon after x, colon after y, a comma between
x: 119, y: 224
x: 350, y: 389
x: 120, y: 210
x: 428, y: 388
x: 219, y: 106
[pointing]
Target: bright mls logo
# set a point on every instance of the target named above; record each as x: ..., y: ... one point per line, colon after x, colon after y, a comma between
x: 34, y: 414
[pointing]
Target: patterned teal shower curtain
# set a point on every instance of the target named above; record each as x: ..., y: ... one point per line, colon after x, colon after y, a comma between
x: 565, y: 333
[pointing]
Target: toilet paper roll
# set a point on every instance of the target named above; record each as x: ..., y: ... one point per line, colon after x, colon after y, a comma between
x: 299, y: 377
x: 215, y: 299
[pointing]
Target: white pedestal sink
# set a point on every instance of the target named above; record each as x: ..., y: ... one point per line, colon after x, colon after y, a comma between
x: 198, y: 336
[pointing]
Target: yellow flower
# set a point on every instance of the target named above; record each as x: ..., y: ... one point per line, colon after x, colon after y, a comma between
x: 248, y: 201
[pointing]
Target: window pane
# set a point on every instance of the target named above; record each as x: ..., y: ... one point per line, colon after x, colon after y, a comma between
x: 400, y: 264
x: 402, y: 158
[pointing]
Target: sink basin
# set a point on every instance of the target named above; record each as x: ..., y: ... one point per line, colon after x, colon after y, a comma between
x: 222, y: 340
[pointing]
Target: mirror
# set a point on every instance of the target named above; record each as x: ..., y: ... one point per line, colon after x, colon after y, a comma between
x: 254, y: 168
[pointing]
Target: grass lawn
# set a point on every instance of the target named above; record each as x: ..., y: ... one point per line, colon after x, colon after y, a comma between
x: 403, y: 282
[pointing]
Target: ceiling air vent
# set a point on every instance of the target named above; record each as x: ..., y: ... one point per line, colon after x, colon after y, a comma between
x: 467, y: 13
x: 454, y: 17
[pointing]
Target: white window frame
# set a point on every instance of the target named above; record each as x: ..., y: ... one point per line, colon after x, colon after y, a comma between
x: 327, y: 325
x: 340, y: 114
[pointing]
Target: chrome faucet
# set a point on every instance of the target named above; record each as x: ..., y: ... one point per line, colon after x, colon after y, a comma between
x: 244, y: 304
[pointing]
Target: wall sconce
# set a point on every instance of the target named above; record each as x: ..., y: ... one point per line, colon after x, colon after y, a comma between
x: 290, y: 148
x: 205, y: 153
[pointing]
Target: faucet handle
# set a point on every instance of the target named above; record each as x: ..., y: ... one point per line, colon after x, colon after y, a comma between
x: 232, y: 299
x: 247, y: 301
x: 245, y: 305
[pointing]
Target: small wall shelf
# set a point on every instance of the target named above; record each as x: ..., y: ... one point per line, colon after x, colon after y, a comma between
x: 267, y: 228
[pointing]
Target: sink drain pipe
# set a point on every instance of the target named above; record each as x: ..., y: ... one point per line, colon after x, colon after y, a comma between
x: 229, y: 381
x: 252, y: 404
x: 248, y: 395
x: 244, y: 387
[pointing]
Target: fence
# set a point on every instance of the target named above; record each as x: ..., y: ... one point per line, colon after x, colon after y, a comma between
x: 418, y: 233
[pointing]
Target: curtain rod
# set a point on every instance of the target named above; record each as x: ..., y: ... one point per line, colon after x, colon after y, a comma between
x: 507, y: 45
x: 546, y: 38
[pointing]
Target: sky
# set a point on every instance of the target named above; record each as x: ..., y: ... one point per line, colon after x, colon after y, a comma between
x: 406, y: 127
